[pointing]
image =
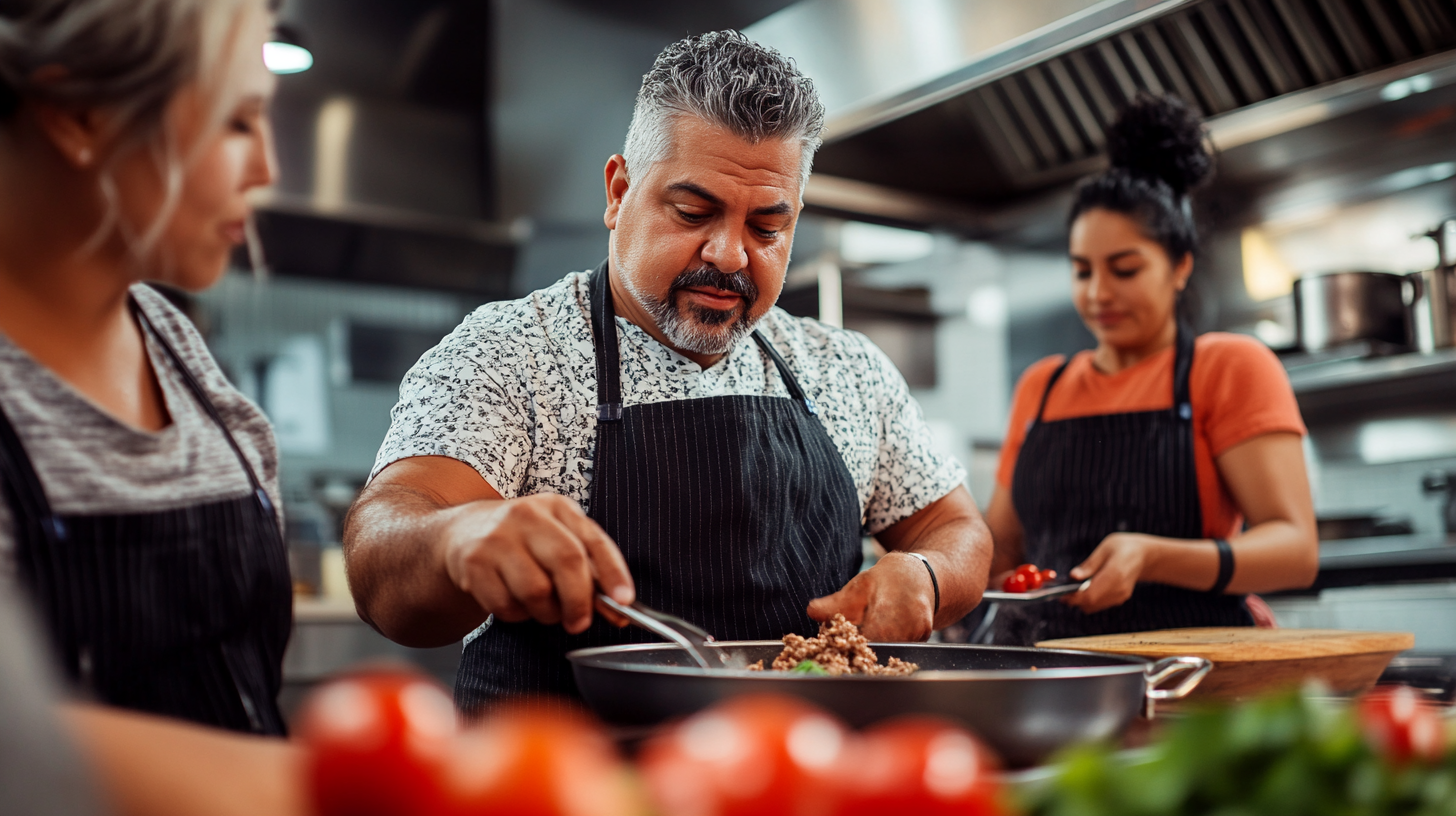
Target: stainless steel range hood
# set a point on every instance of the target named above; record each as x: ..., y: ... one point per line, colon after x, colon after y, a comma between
x: 386, y: 172
x: 1029, y: 115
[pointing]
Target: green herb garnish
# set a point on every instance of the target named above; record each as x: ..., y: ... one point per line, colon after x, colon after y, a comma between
x: 810, y: 667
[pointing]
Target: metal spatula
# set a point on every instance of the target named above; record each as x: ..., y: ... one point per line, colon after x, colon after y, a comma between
x: 693, y: 639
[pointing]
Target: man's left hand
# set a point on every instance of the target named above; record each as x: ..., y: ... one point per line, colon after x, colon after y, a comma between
x: 893, y: 601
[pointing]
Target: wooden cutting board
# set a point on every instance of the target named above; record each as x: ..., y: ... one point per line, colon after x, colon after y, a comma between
x: 1249, y: 661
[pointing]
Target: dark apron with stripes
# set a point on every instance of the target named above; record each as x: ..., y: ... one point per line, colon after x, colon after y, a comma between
x: 1079, y: 480
x: 732, y: 512
x: 183, y: 613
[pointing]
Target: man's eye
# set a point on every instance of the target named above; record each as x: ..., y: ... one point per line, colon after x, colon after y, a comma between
x: 244, y: 126
x: 1127, y: 273
x: 693, y: 218
x: 1082, y: 274
x: 767, y: 234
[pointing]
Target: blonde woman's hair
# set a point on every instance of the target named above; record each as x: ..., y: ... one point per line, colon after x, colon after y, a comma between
x: 130, y: 58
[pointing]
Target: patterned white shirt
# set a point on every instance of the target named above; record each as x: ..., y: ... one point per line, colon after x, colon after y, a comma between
x: 512, y: 393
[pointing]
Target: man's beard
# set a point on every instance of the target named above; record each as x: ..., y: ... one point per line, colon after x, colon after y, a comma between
x: 699, y: 329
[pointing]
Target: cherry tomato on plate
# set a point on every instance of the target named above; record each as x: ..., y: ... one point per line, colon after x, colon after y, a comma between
x: 1402, y: 725
x: 751, y: 756
x: 921, y: 766
x: 375, y: 741
x: 536, y: 762
x: 1034, y: 578
x: 1015, y: 582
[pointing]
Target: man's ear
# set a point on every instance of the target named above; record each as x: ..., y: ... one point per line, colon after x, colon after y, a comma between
x: 617, y: 184
x: 76, y: 134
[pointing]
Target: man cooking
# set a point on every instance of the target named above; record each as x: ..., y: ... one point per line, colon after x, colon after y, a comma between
x: 657, y: 429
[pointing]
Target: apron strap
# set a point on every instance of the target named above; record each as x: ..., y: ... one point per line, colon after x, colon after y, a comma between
x: 1047, y: 392
x: 609, y: 374
x: 203, y: 401
x: 604, y: 337
x: 22, y: 485
x: 1182, y: 368
x: 789, y: 380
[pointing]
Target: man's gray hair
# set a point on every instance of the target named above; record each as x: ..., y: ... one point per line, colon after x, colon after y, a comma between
x: 728, y: 80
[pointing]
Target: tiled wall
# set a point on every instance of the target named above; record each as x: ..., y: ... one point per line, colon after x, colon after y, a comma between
x: 1391, y: 489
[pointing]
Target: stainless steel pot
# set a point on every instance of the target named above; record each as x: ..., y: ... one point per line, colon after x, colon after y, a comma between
x: 1434, y: 316
x: 1026, y: 703
x: 1345, y: 307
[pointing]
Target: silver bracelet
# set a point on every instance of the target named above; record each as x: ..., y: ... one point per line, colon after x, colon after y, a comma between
x: 933, y: 582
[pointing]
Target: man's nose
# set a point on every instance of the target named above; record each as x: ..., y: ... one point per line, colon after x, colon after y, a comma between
x: 724, y: 250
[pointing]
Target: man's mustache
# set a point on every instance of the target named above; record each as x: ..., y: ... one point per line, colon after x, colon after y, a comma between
x: 708, y: 277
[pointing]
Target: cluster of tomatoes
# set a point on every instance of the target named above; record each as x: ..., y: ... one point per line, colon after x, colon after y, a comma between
x: 1402, y: 725
x: 387, y: 744
x: 1026, y: 578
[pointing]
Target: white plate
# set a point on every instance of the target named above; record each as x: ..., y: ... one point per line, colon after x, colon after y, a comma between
x: 1035, y: 595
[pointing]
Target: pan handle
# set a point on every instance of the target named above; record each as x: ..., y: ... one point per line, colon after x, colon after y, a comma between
x: 1195, y: 667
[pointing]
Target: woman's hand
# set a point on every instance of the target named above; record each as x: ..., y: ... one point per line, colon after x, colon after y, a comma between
x: 1115, y: 568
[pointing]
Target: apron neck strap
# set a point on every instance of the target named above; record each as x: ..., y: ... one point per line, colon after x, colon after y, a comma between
x: 1047, y: 392
x: 1182, y: 366
x: 609, y: 374
x: 608, y: 353
x: 790, y: 381
x: 22, y: 485
x: 195, y: 387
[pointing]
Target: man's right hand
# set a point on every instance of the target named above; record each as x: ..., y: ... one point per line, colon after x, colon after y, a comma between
x: 432, y: 548
x: 537, y: 557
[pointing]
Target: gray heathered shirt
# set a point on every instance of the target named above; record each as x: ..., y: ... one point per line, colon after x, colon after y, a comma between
x: 91, y: 463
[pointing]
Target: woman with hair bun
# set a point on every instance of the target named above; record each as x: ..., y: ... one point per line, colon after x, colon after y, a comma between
x: 1165, y: 468
x: 138, y: 489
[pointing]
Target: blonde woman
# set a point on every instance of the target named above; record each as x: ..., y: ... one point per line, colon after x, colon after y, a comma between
x: 138, y: 489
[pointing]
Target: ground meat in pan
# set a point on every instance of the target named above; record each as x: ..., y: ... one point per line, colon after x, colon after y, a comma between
x: 839, y: 648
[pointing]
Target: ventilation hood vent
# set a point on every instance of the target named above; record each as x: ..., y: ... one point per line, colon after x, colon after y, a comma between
x: 1041, y: 122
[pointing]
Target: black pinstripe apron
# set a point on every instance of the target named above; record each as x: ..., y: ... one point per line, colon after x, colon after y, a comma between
x: 1079, y: 480
x: 183, y: 612
x: 732, y: 512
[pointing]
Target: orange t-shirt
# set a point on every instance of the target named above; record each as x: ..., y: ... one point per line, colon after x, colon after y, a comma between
x: 1237, y: 386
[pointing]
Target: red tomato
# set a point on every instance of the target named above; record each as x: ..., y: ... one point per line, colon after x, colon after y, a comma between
x: 535, y: 762
x: 752, y: 756
x: 375, y: 743
x: 1016, y: 582
x: 922, y: 766
x: 1402, y: 725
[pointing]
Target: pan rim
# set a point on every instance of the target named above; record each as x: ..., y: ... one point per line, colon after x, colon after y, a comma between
x: 1123, y: 665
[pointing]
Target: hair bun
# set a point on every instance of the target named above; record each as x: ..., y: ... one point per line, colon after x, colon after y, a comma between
x: 1160, y: 137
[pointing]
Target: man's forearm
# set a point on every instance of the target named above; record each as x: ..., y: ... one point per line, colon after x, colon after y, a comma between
x: 392, y: 540
x: 960, y: 553
x: 951, y: 534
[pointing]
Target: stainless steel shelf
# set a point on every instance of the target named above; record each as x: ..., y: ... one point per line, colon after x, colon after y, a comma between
x: 1339, y: 374
x: 1386, y: 551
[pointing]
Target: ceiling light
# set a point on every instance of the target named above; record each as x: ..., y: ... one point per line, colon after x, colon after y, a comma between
x: 286, y: 58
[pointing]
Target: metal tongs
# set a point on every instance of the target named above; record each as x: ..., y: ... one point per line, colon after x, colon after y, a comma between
x: 693, y: 639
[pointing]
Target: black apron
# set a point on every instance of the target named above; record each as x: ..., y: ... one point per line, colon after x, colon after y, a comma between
x: 732, y: 512
x: 183, y: 612
x: 1079, y: 480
